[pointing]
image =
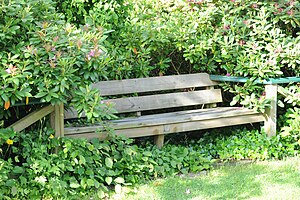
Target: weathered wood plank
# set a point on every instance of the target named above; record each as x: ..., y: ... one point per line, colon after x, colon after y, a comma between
x: 271, y: 113
x: 159, y: 101
x: 170, y: 118
x: 151, y: 84
x: 177, y: 127
x: 211, y: 105
x: 32, y: 118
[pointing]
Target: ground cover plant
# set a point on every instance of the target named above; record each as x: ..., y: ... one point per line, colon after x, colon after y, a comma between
x: 35, y: 165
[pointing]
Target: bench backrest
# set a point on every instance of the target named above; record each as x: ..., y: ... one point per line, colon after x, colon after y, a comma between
x: 142, y: 94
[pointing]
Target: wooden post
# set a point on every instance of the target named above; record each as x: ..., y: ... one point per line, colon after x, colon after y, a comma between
x: 211, y: 105
x: 159, y: 140
x: 57, y: 120
x: 270, y: 113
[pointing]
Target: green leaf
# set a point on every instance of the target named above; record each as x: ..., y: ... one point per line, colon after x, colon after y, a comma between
x: 90, y: 182
x: 14, y: 190
x: 18, y: 170
x: 108, y: 180
x: 109, y: 162
x: 41, y: 94
x: 90, y: 147
x: 74, y: 184
x: 119, y: 180
x: 81, y: 160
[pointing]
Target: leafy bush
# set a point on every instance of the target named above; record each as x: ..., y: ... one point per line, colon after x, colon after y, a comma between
x: 36, y: 165
x: 47, y: 59
x: 257, y: 39
x: 244, y: 144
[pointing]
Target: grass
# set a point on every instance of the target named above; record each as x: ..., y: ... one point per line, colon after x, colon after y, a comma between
x: 259, y: 180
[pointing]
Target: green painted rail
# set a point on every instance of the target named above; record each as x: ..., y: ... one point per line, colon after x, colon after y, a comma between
x: 245, y: 79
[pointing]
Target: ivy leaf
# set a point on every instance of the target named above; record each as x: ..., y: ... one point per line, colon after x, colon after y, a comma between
x: 119, y: 180
x: 109, y: 162
x: 108, y: 180
x: 18, y: 170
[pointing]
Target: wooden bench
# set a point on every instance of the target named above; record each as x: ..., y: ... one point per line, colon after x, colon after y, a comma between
x: 162, y: 105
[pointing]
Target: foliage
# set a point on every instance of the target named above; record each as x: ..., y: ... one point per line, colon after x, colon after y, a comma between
x: 46, y: 59
x: 257, y: 39
x: 36, y: 165
x: 142, y: 38
x: 291, y: 128
x: 244, y: 144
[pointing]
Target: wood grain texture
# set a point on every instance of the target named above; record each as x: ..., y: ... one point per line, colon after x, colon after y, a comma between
x: 159, y: 101
x: 175, y: 122
x: 152, y: 84
x: 170, y: 100
x: 32, y: 118
x: 173, y: 128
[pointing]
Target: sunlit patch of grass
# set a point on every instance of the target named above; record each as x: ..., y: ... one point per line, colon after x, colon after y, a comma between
x: 260, y: 180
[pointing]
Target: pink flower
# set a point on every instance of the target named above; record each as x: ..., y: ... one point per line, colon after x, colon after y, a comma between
x: 290, y: 12
x: 292, y: 3
x: 242, y: 42
x: 94, y: 53
x: 226, y: 26
x: 228, y: 74
x: 11, y: 70
x: 254, y: 5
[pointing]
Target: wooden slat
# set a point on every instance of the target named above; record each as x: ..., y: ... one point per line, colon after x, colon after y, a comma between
x: 151, y: 84
x: 177, y: 127
x: 152, y: 102
x: 171, y: 118
x: 159, y: 101
x: 32, y: 118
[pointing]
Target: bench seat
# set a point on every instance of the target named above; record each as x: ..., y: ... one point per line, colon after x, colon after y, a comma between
x: 182, y: 121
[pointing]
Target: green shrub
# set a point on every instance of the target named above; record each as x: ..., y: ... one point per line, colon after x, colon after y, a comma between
x: 244, y: 144
x: 36, y: 165
x: 256, y: 39
x: 45, y: 59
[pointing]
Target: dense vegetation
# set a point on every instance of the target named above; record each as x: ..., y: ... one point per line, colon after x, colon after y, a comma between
x: 35, y: 165
x: 52, y: 50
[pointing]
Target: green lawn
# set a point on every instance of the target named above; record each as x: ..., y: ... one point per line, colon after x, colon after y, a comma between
x: 260, y: 180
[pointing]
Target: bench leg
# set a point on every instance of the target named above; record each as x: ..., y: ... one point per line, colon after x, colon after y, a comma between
x: 159, y: 140
x: 57, y: 120
x: 270, y: 114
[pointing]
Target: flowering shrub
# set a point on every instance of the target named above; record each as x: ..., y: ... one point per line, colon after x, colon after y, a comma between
x: 45, y: 59
x: 256, y: 39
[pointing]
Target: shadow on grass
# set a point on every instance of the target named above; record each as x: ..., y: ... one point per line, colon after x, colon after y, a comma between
x: 234, y: 182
